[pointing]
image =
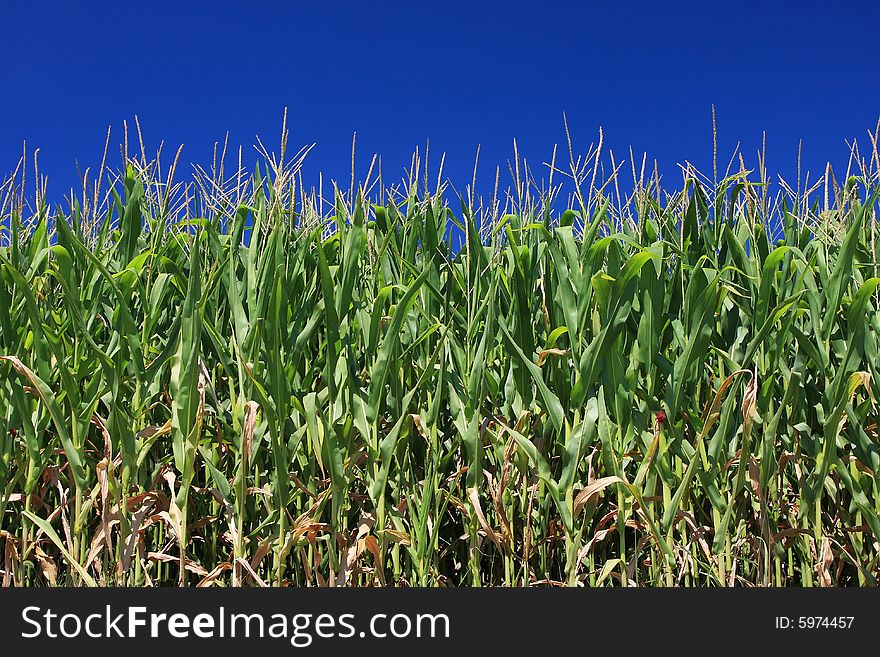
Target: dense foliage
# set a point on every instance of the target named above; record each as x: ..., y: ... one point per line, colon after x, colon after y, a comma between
x: 224, y: 382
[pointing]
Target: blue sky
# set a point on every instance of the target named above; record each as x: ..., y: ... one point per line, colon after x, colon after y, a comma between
x: 457, y: 73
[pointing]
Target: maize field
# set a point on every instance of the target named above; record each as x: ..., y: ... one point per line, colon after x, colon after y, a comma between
x: 229, y: 378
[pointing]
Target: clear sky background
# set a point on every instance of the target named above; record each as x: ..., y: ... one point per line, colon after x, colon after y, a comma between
x: 461, y: 74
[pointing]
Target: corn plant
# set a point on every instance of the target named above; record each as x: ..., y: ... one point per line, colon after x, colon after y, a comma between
x: 233, y: 380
